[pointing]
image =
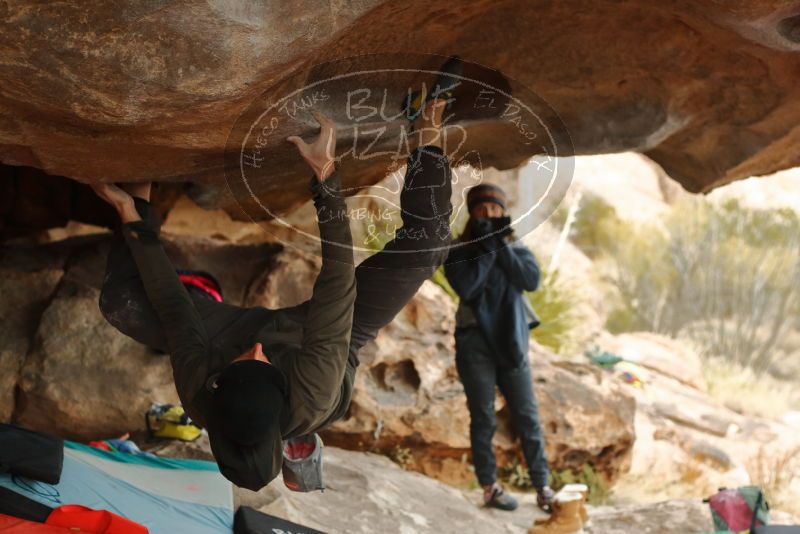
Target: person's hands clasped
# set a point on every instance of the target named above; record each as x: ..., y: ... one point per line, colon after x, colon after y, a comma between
x: 319, y: 154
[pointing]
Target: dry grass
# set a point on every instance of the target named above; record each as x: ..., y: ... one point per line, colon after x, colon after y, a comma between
x: 690, y: 472
x: 775, y: 470
x: 744, y: 391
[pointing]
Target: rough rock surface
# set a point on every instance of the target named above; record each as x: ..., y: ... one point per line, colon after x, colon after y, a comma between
x: 368, y: 493
x: 669, y: 357
x: 26, y: 293
x: 140, y: 91
x: 73, y: 373
x: 409, y: 397
x: 688, y: 444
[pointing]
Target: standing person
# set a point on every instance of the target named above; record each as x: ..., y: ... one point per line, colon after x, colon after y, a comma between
x: 257, y: 378
x: 489, y: 271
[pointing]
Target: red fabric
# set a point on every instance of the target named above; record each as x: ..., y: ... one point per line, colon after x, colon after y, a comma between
x: 733, y: 508
x: 75, y: 516
x: 203, y: 283
x: 298, y: 451
x: 102, y: 445
x: 15, y: 525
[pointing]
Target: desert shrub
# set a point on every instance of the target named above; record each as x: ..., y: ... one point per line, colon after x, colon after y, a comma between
x: 557, y: 305
x: 742, y: 390
x: 402, y: 456
x: 596, y: 226
x: 722, y: 275
x: 440, y: 280
x: 774, y: 470
x: 516, y: 474
x: 599, y: 491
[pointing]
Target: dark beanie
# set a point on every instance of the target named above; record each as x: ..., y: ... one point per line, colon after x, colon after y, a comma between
x: 485, y: 193
x: 248, y: 401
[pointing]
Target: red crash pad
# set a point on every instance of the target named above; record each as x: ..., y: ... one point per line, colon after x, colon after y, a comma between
x: 77, y: 517
x: 15, y: 525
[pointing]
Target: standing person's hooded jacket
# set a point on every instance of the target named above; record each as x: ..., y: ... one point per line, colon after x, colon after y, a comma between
x: 308, y: 343
x: 490, y: 274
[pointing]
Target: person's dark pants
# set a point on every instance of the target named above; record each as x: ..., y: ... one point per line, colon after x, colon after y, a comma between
x: 480, y: 374
x: 386, y: 281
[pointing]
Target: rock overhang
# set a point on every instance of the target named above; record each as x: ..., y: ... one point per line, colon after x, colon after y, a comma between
x: 152, y: 92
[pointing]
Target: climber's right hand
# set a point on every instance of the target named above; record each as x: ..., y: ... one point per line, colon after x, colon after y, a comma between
x: 319, y: 154
x: 119, y: 199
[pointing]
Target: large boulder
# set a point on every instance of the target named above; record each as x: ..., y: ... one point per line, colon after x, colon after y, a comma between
x: 410, y: 403
x: 72, y: 372
x: 142, y: 91
x: 28, y: 279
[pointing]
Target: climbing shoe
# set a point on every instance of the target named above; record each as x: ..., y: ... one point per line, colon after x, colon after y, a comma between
x: 544, y: 499
x: 496, y: 497
x: 447, y: 80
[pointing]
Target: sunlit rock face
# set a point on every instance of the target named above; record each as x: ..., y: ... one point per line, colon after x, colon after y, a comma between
x: 152, y: 90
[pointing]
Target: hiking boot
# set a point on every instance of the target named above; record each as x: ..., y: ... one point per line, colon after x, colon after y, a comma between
x: 544, y: 499
x: 496, y: 497
x: 566, y: 517
x: 583, y: 489
x: 443, y: 87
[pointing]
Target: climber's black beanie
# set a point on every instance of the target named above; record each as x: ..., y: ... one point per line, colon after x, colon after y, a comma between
x: 248, y: 400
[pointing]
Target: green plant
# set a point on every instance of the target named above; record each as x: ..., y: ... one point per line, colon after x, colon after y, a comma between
x: 557, y: 306
x: 516, y: 474
x: 599, y: 491
x: 596, y: 226
x: 402, y: 456
x: 440, y: 280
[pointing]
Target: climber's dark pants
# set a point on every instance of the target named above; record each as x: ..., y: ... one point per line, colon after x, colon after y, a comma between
x: 480, y: 374
x: 385, y: 282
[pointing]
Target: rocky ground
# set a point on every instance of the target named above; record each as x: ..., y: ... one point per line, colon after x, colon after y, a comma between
x: 369, y: 493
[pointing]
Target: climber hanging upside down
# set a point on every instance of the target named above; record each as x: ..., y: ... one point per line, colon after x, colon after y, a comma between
x: 259, y: 379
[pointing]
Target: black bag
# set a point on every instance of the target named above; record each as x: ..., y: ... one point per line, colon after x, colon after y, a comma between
x: 16, y: 505
x: 249, y: 521
x: 31, y: 454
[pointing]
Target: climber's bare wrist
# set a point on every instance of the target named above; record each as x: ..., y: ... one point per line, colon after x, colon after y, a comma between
x: 127, y: 212
x: 324, y: 170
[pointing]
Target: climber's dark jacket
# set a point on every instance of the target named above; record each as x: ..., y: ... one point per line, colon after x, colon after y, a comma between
x: 308, y: 343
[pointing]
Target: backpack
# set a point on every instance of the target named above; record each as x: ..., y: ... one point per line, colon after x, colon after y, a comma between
x: 739, y: 510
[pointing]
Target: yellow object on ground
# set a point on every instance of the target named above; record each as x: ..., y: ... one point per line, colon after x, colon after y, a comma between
x: 171, y: 422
